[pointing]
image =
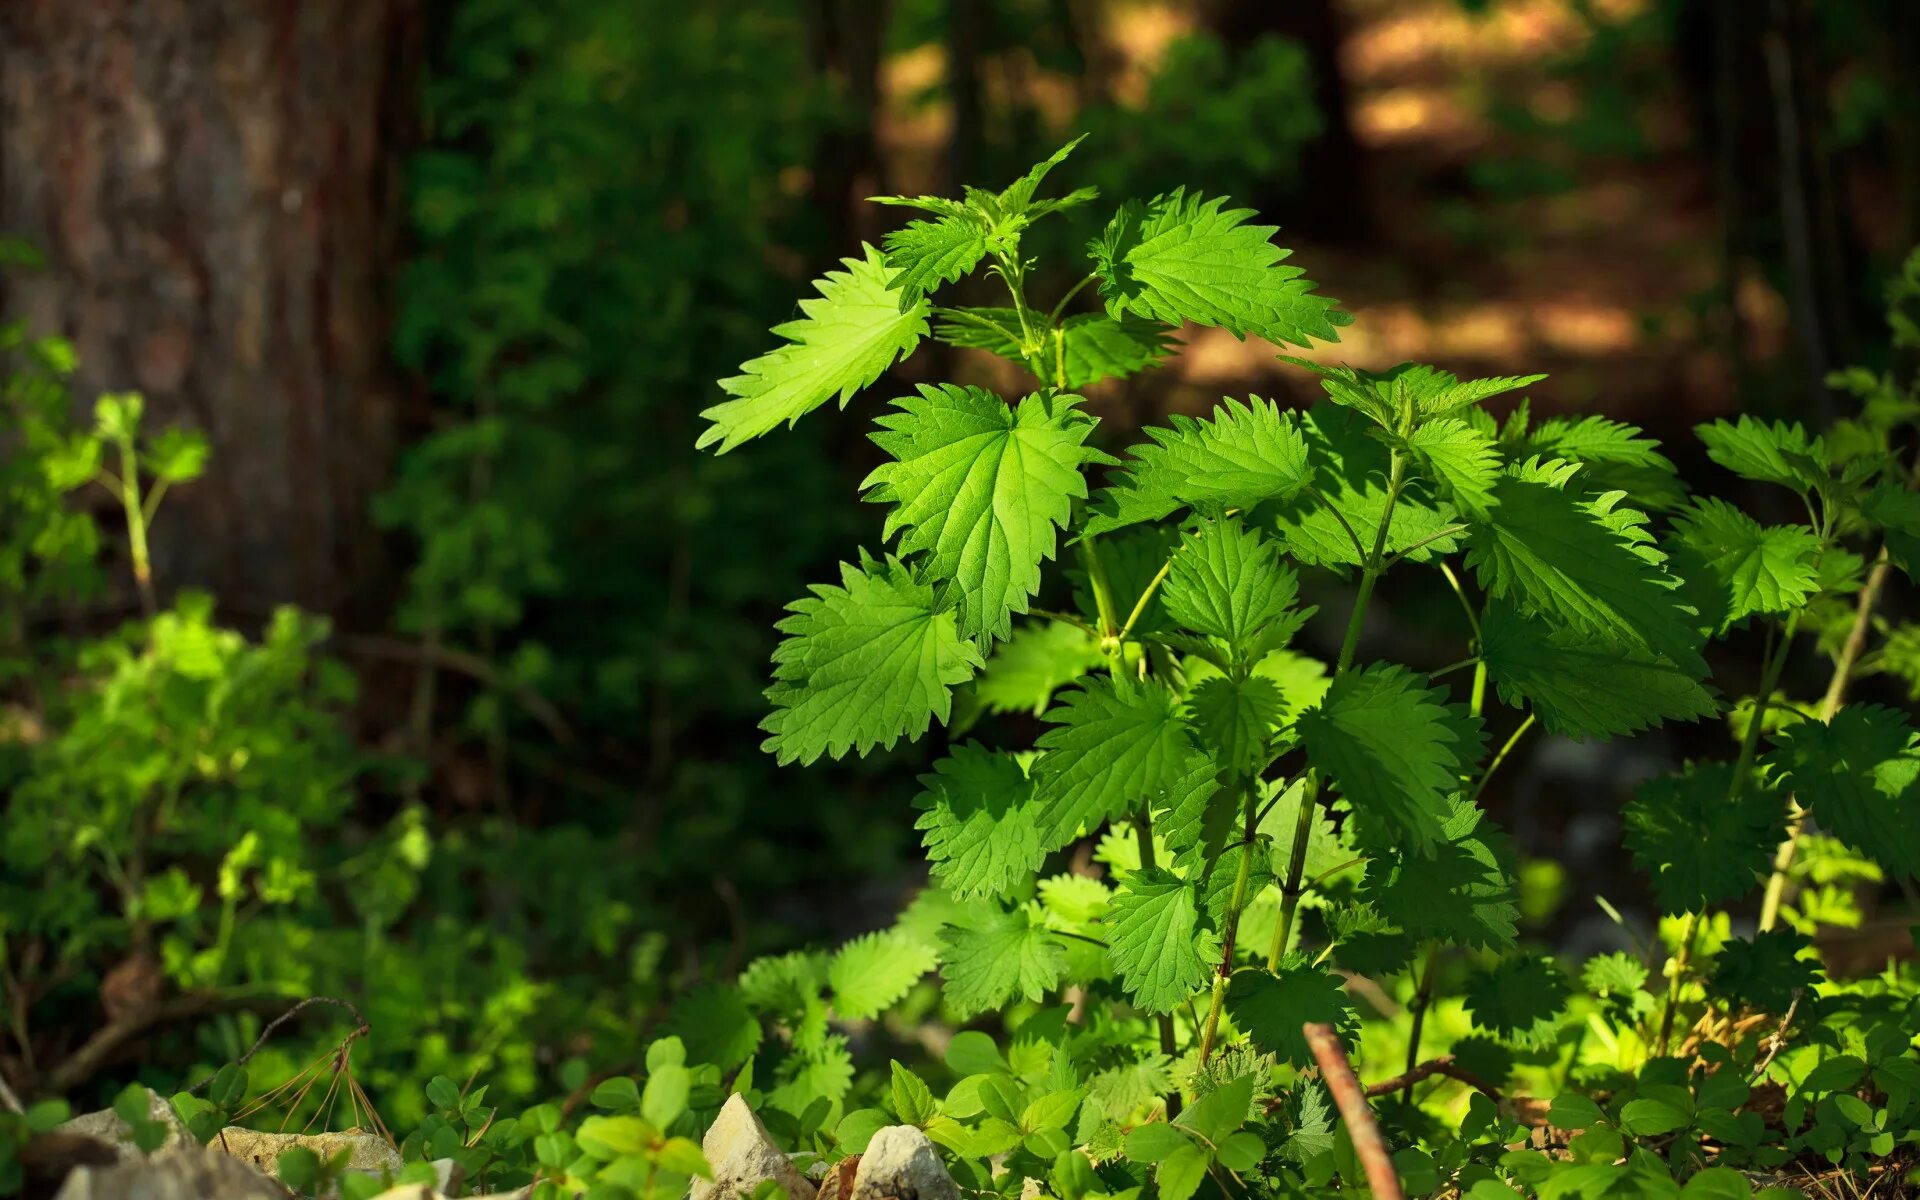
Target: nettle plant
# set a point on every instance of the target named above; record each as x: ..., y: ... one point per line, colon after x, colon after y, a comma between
x: 1270, y: 824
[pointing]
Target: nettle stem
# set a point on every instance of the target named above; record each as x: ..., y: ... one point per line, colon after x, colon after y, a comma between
x: 136, y: 511
x: 1370, y: 572
x: 1418, y: 1006
x: 1681, y: 961
x: 1251, y: 787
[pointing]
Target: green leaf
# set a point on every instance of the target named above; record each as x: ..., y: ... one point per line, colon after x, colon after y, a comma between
x: 1096, y: 346
x: 1039, y: 659
x: 1700, y: 849
x: 1860, y: 776
x: 842, y: 343
x: 1184, y: 258
x: 1897, y: 511
x: 716, y: 1025
x: 982, y: 489
x: 1124, y: 1090
x: 925, y: 254
x: 980, y: 822
x: 1234, y: 719
x: 1521, y: 998
x: 1217, y: 1114
x: 1393, y: 748
x: 1647, y: 1117
x: 1617, y: 457
x: 665, y: 1096
x: 1001, y: 956
x: 1350, y: 476
x: 913, y: 1100
x: 1461, y: 889
x: 1178, y: 1176
x: 1582, y: 564
x: 1272, y: 1008
x: 1459, y: 458
x: 1154, y: 1141
x: 1114, y: 745
x: 1409, y: 389
x: 1735, y: 567
x: 1777, y: 453
x: 872, y: 972
x: 1229, y: 582
x: 1244, y: 454
x: 1017, y: 197
x: 863, y: 664
x: 1084, y: 349
x: 1155, y: 942
x: 1765, y: 972
x: 1582, y: 684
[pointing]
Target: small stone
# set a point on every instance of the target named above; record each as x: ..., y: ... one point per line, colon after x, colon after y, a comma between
x: 901, y: 1164
x: 370, y: 1152
x: 742, y: 1156
x: 106, y: 1126
x: 184, y: 1172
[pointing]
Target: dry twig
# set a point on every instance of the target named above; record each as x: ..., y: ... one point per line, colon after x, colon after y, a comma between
x: 1368, y: 1145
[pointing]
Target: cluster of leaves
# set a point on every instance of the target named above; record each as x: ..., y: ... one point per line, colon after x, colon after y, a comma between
x: 1236, y: 800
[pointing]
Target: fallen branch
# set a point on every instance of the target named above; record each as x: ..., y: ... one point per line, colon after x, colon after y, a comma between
x: 1444, y: 1065
x: 95, y: 1052
x: 1368, y: 1146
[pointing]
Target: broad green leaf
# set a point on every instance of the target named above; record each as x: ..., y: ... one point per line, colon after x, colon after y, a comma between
x: 925, y: 254
x: 1393, y: 748
x: 1017, y: 197
x: 715, y: 1024
x: 1860, y: 775
x: 982, y: 489
x: 1039, y: 659
x: 1582, y: 684
x: 1616, y: 457
x: 1897, y: 511
x: 1647, y: 1117
x: 1084, y: 349
x: 1461, y: 889
x: 912, y: 1100
x: 1584, y: 564
x: 1114, y: 745
x: 1735, y: 567
x: 1244, y: 454
x: 1766, y: 972
x: 1701, y: 849
x: 1520, y: 998
x: 1154, y: 1141
x: 1178, y: 1176
x: 872, y: 972
x: 1234, y: 718
x: 979, y: 822
x: 1350, y: 476
x: 862, y: 664
x: 997, y: 958
x: 1122, y: 1091
x: 842, y: 343
x: 1461, y: 459
x: 1155, y: 942
x: 1769, y: 453
x: 1406, y: 394
x: 1229, y: 582
x: 1217, y: 1114
x: 1272, y: 1008
x: 1184, y: 258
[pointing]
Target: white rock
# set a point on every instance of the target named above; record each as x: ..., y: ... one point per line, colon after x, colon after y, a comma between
x: 184, y: 1172
x: 901, y: 1164
x: 742, y: 1155
x: 106, y: 1126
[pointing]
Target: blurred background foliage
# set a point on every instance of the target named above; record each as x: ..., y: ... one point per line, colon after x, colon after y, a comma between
x: 510, y: 800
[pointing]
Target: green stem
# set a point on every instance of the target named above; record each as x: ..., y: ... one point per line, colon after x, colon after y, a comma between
x: 1251, y: 786
x: 1422, y: 1000
x: 136, y: 525
x: 1143, y: 835
x: 1512, y: 741
x: 1102, y: 603
x: 1146, y: 598
x: 1680, y: 963
x: 1290, y: 889
x: 1054, y: 316
x: 1836, y: 693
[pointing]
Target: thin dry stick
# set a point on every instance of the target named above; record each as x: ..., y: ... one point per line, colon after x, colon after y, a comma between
x: 1368, y: 1145
x: 1443, y: 1065
x: 8, y: 1098
x: 274, y: 1025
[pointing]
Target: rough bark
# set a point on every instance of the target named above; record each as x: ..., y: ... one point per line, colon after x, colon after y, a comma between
x: 215, y: 186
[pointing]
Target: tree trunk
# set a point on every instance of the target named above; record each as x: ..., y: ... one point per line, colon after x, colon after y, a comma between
x: 215, y: 185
